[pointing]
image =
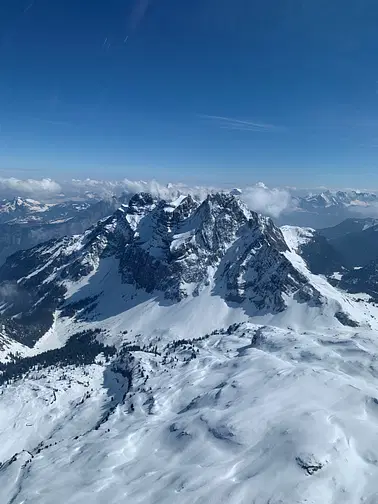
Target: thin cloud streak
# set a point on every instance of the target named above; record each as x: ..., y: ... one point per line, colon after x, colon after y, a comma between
x: 28, y: 7
x: 138, y: 13
x: 231, y: 123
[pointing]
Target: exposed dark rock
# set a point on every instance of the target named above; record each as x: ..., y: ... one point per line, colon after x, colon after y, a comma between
x: 345, y: 320
x: 309, y: 464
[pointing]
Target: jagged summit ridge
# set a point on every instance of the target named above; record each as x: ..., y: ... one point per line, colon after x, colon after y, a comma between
x: 172, y: 250
x: 185, y: 246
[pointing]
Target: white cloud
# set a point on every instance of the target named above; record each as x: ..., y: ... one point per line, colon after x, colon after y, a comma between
x: 11, y: 187
x: 106, y: 188
x: 48, y: 189
x: 259, y: 197
x: 8, y: 292
x: 270, y: 202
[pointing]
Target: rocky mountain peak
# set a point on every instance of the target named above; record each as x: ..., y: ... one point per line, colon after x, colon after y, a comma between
x: 172, y: 250
x: 141, y: 200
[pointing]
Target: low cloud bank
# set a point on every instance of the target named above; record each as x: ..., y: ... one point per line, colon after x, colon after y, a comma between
x: 12, y: 187
x: 258, y: 197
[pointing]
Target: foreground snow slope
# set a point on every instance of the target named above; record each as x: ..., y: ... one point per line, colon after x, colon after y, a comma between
x: 261, y: 415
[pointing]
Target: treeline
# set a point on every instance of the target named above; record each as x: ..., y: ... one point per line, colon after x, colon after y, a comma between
x: 31, y: 317
x: 131, y: 347
x: 81, y: 349
x: 182, y: 342
x: 71, y: 309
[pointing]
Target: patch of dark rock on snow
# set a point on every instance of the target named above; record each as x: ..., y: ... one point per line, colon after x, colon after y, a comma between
x: 194, y: 403
x: 309, y: 463
x: 180, y: 433
x: 261, y: 342
x: 149, y: 403
x: 345, y: 320
x: 307, y: 294
x: 220, y: 432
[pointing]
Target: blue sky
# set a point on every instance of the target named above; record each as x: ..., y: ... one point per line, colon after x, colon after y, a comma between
x: 225, y: 91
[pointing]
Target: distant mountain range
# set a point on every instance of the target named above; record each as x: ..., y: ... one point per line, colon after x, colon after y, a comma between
x: 25, y: 222
x: 329, y: 208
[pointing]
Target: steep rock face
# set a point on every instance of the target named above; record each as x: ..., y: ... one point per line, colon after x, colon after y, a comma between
x: 31, y: 288
x: 178, y: 245
x: 254, y: 268
x: 218, y: 242
x: 175, y: 249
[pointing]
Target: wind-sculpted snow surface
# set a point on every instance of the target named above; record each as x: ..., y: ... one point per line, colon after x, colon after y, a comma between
x: 249, y: 414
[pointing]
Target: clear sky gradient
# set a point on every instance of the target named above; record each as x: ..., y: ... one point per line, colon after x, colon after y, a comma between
x: 284, y: 91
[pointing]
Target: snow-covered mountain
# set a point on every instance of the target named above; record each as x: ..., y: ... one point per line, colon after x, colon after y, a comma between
x: 22, y: 209
x: 184, y: 351
x: 25, y: 223
x: 31, y: 212
x: 347, y: 254
x: 170, y: 252
x: 329, y: 208
x: 329, y: 199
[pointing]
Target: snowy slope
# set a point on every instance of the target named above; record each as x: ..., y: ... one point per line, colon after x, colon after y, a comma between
x: 260, y: 415
x: 9, y: 347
